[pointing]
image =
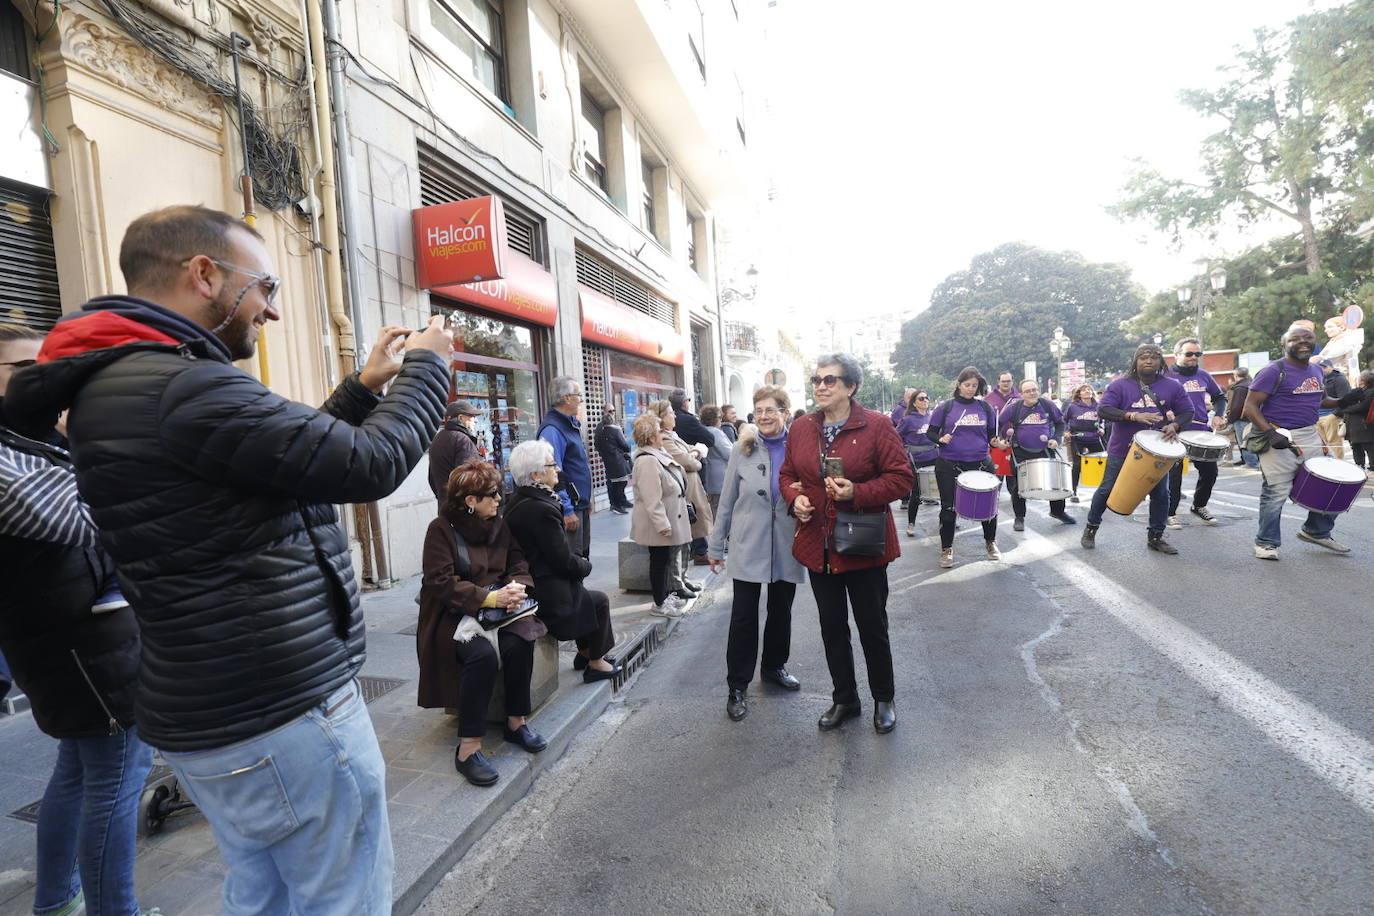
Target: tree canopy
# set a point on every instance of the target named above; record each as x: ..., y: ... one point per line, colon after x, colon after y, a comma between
x: 1002, y: 312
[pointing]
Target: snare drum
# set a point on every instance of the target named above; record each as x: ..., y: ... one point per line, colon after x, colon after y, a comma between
x: 1325, y: 484
x: 925, y: 483
x: 1044, y: 478
x: 1146, y: 465
x: 1092, y: 468
x: 1204, y: 446
x: 975, y: 495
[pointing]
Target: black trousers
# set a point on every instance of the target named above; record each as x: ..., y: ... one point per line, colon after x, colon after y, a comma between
x: 615, y: 489
x: 477, y: 669
x: 742, y: 647
x: 945, y: 474
x: 599, y: 640
x: 1018, y: 505
x: 659, y: 560
x: 867, y: 593
x: 1206, y: 478
x: 1363, y: 454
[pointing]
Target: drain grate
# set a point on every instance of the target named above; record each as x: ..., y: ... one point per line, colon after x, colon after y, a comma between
x: 28, y: 813
x: 374, y: 687
x: 633, y: 656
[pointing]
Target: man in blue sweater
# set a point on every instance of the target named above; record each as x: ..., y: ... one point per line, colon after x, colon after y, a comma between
x: 563, y: 430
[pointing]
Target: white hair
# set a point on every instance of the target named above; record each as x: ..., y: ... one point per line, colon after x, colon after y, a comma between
x: 529, y: 458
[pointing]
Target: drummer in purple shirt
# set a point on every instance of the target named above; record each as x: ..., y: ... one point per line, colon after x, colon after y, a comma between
x: 1288, y: 393
x: 1033, y: 425
x: 1209, y: 413
x: 1141, y: 399
x: 912, y: 428
x: 1084, y: 430
x: 964, y: 426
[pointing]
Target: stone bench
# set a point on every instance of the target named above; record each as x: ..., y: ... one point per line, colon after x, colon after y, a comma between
x: 543, y: 682
x: 634, y: 566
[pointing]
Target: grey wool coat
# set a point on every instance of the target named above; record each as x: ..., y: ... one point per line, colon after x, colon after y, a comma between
x: 757, y: 527
x: 660, y: 500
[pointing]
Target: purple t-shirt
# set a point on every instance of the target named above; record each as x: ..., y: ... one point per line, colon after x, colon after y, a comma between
x: 1125, y: 394
x: 1082, y: 421
x: 912, y: 429
x: 1037, y: 426
x: 999, y: 400
x: 1297, y: 403
x: 1200, y: 388
x: 968, y: 423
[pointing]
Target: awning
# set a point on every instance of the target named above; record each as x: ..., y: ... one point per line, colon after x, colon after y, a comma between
x: 527, y: 291
x: 620, y: 327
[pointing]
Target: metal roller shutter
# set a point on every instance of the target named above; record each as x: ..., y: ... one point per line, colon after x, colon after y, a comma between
x: 594, y: 402
x: 28, y: 263
x: 441, y: 181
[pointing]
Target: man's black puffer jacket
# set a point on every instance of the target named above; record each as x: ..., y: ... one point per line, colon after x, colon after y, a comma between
x: 215, y: 497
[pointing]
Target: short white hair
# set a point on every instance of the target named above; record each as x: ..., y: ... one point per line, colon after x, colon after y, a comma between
x: 529, y: 458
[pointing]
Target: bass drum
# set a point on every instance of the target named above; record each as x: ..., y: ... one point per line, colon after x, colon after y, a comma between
x: 1044, y: 478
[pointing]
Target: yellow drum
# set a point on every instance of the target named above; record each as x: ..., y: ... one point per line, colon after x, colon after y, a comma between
x: 1146, y: 465
x: 1091, y: 467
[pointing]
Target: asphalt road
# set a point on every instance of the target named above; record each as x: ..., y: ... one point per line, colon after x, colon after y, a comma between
x: 1113, y: 731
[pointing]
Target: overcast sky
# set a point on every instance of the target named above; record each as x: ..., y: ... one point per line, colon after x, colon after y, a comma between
x: 911, y: 136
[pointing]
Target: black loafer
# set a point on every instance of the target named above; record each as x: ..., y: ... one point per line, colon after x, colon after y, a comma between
x: 1065, y: 517
x: 527, y: 738
x: 737, y: 706
x: 780, y: 677
x: 834, y: 716
x: 1018, y: 524
x: 580, y: 661
x: 591, y: 675
x: 884, y: 717
x: 685, y: 594
x: 475, y: 769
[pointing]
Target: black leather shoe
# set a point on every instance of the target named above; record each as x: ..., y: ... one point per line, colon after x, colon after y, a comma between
x: 834, y: 716
x: 737, y: 706
x: 580, y: 661
x: 527, y: 737
x: 780, y: 677
x: 685, y: 594
x: 884, y: 716
x: 1018, y: 525
x: 591, y: 675
x: 475, y: 769
x: 1065, y: 517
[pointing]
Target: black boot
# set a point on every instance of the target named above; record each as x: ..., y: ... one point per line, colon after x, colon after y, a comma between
x: 1089, y: 539
x: 884, y: 716
x: 1155, y: 541
x: 737, y: 705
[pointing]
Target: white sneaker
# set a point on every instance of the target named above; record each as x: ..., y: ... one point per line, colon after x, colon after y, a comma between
x: 1265, y: 552
x: 1174, y: 524
x: 671, y: 608
x: 911, y: 531
x: 947, y: 558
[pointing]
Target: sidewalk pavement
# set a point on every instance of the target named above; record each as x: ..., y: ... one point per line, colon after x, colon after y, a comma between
x: 435, y: 815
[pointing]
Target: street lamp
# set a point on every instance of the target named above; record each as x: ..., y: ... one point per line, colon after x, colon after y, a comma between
x: 1217, y: 279
x: 1158, y: 338
x: 1059, y: 347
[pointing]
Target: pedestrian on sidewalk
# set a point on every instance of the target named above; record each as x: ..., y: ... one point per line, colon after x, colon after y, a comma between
x: 846, y: 458
x: 215, y: 499
x: 1358, y: 431
x: 568, y: 609
x: 717, y: 456
x: 472, y: 563
x: 659, y: 521
x: 689, y: 458
x: 614, y: 452
x: 1288, y: 393
x: 755, y: 525
x: 562, y: 429
x: 1235, y: 410
x: 454, y: 445
x: 729, y: 422
x: 1328, y: 420
x: 78, y: 666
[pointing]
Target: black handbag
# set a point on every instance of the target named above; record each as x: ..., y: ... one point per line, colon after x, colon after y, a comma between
x: 857, y: 534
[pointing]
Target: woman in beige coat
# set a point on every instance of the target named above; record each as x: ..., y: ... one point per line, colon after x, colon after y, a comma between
x: 690, y: 457
x: 659, y: 520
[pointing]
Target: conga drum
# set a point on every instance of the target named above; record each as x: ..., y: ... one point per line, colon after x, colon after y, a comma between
x: 1147, y: 463
x: 1326, y: 484
x: 975, y: 495
x: 1092, y: 468
x: 1001, y: 461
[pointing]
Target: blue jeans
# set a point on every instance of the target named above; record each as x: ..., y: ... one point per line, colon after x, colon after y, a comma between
x: 88, y: 824
x: 1279, y: 466
x: 299, y: 812
x: 1159, y: 496
x: 1242, y: 428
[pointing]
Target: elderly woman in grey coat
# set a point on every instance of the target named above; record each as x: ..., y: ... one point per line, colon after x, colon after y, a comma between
x: 753, y: 519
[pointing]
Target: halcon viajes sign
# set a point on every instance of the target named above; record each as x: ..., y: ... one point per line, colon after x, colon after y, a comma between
x: 459, y: 242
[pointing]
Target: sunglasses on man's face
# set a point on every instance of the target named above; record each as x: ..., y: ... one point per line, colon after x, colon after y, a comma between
x: 827, y: 381
x: 1192, y: 352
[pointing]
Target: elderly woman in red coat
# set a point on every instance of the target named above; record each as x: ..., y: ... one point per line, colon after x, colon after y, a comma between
x: 867, y: 469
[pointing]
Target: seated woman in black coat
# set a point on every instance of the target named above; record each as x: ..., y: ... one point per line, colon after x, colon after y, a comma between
x: 488, y: 572
x: 535, y: 519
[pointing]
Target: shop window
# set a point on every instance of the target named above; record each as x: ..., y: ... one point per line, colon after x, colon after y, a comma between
x: 14, y: 42
x: 635, y: 383
x: 442, y: 181
x: 696, y: 36
x: 474, y: 29
x: 594, y: 142
x: 653, y: 204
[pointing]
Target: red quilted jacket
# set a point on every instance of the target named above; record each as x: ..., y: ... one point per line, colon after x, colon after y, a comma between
x: 874, y: 459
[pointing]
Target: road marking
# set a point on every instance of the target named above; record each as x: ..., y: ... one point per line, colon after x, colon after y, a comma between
x: 1337, y: 755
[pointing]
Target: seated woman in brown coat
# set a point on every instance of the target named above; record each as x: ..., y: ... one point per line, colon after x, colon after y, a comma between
x: 472, y: 562
x: 570, y: 610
